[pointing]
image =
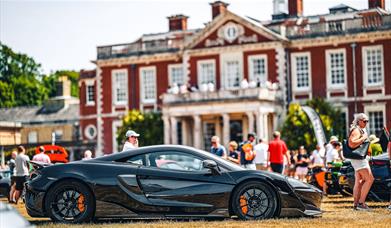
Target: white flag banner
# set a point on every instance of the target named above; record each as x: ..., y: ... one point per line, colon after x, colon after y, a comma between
x: 317, y: 124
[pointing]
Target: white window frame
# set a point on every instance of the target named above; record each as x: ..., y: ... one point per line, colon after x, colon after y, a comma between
x: 378, y: 107
x: 115, y: 125
x: 365, y: 65
x: 30, y: 134
x: 250, y: 60
x: 294, y: 72
x: 224, y: 58
x: 199, y: 64
x: 170, y: 76
x: 87, y: 132
x: 89, y: 83
x: 330, y: 85
x: 114, y: 83
x: 150, y: 100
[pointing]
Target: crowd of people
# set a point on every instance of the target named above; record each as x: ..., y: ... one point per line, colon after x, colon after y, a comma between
x: 20, y: 167
x: 250, y: 154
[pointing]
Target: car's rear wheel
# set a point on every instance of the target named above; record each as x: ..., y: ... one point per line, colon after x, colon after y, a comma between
x: 70, y: 202
x: 254, y: 200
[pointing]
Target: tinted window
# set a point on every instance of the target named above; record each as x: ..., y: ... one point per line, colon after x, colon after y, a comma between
x: 175, y: 161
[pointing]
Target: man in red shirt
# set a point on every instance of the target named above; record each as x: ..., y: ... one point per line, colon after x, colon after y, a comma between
x: 277, y: 149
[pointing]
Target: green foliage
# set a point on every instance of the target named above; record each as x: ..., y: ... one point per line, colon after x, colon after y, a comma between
x: 21, y: 83
x: 149, y: 125
x: 297, y: 129
x: 50, y: 81
x: 7, y: 97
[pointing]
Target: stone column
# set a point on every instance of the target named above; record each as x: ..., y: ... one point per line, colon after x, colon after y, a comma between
x: 185, y: 132
x: 261, y: 125
x: 174, y: 132
x: 197, y: 132
x: 250, y: 117
x: 267, y: 129
x: 166, y: 122
x: 225, y: 129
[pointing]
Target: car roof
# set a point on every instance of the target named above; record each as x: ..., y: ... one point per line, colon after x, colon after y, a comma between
x: 160, y: 148
x: 141, y: 150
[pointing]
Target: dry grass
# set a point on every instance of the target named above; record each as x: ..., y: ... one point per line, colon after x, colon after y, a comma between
x: 338, y: 212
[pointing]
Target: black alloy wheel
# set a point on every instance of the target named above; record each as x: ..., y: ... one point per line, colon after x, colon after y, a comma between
x: 70, y: 202
x: 254, y: 200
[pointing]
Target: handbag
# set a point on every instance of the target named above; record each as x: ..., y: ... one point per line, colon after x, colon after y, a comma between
x: 359, y: 152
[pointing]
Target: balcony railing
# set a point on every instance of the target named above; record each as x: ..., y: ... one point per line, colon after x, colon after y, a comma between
x: 340, y: 27
x: 223, y: 95
x: 139, y: 48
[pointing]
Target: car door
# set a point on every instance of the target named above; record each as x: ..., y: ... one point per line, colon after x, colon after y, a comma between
x: 177, y: 181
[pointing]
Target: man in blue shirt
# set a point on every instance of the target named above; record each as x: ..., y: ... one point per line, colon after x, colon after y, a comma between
x: 217, y: 148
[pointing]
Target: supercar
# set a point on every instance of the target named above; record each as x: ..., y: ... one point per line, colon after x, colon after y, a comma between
x: 164, y: 181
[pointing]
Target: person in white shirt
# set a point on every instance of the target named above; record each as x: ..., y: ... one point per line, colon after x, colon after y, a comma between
x: 87, y: 155
x: 131, y: 140
x: 42, y: 157
x: 315, y: 158
x: 329, y: 147
x: 333, y: 155
x: 261, y: 158
x: 21, y: 172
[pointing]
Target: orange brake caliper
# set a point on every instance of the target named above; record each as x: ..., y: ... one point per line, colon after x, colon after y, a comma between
x: 80, y: 203
x: 243, y: 203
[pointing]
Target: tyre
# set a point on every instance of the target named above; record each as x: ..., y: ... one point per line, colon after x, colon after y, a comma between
x: 70, y: 202
x: 254, y: 200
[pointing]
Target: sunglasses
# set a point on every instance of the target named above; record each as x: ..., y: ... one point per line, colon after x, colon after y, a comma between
x: 133, y: 137
x: 365, y: 121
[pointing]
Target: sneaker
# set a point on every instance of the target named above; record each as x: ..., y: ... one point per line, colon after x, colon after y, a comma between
x: 363, y: 207
x: 354, y: 206
x: 389, y: 207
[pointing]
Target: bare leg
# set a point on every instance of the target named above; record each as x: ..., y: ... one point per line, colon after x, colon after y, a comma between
x: 17, y: 195
x: 12, y: 193
x: 357, y: 187
x: 368, y: 180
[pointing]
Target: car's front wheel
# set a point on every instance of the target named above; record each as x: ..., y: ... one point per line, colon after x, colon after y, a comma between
x: 254, y: 200
x: 70, y: 202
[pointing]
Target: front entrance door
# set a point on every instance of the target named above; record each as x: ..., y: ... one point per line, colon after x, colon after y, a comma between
x: 236, y: 130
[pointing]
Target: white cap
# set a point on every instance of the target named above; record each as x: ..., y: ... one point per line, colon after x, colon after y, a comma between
x: 130, y: 133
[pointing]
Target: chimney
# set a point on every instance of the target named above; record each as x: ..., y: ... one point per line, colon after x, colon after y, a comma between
x: 177, y: 22
x: 295, y: 8
x: 218, y: 7
x: 376, y: 3
x: 63, y: 87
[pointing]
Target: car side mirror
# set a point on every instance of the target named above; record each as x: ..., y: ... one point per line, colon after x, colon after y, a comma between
x: 212, y: 166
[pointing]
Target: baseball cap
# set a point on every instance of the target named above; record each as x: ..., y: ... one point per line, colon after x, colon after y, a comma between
x: 130, y: 133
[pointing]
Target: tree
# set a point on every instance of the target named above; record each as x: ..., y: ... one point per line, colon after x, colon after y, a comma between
x: 297, y: 129
x: 22, y: 84
x: 149, y: 125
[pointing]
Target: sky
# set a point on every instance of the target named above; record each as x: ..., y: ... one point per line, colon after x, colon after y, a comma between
x: 63, y: 35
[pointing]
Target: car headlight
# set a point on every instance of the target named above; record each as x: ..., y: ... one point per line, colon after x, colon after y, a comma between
x: 296, y: 183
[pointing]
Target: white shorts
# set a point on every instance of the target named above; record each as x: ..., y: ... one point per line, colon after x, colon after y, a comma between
x: 359, y: 164
x: 301, y: 170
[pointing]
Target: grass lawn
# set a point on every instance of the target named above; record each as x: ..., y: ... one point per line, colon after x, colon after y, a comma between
x: 337, y: 212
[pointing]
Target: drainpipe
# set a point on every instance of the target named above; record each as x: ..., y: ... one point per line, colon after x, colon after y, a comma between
x: 288, y: 78
x: 353, y: 45
x: 133, y: 81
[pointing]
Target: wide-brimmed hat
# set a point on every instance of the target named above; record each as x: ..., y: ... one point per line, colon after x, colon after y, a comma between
x: 373, y: 139
x: 333, y: 138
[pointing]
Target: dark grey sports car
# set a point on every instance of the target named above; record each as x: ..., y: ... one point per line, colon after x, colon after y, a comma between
x: 164, y: 181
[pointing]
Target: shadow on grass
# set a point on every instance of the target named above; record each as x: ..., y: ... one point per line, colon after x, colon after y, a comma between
x: 138, y: 220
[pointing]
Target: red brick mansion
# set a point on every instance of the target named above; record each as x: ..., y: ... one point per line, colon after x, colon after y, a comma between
x: 238, y: 74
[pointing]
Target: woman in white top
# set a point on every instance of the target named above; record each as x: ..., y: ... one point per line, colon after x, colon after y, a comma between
x: 363, y: 174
